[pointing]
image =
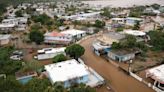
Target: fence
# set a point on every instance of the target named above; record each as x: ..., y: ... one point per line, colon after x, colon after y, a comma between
x: 145, y: 82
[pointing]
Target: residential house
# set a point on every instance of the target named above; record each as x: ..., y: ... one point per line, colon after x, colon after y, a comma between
x: 156, y: 74
x: 19, y: 23
x: 102, y: 45
x: 140, y: 35
x: 71, y: 72
x: 57, y: 38
x: 48, y: 53
x: 7, y: 27
x: 121, y: 55
x: 131, y: 21
x: 118, y: 20
x: 5, y: 39
x: 75, y: 34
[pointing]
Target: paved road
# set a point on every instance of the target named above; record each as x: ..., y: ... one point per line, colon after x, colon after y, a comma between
x: 119, y: 80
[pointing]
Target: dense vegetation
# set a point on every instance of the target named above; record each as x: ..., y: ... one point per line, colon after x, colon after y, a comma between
x: 75, y: 51
x: 36, y: 36
x: 129, y: 42
x: 8, y: 66
x: 59, y: 58
x: 157, y: 40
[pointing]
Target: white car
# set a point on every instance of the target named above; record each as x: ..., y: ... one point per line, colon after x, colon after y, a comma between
x: 16, y: 57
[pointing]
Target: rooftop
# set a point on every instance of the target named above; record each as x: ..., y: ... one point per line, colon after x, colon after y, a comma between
x: 123, y: 52
x: 157, y: 73
x: 53, y: 34
x: 2, y: 37
x: 134, y: 18
x: 51, y: 50
x: 66, y: 70
x: 73, y: 32
x: 134, y: 32
x: 99, y: 45
x: 7, y: 25
x: 115, y: 35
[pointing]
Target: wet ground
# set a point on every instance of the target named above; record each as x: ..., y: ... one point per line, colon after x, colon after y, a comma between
x: 120, y: 81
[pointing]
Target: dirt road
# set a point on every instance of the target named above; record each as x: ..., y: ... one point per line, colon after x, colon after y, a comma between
x: 120, y: 81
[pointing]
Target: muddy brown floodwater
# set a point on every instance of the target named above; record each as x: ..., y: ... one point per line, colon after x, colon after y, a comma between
x: 120, y: 81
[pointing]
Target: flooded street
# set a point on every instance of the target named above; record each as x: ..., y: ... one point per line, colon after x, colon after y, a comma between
x: 123, y: 3
x: 120, y: 81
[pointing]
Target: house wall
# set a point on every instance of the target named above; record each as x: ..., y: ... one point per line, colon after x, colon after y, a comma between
x: 4, y: 41
x: 83, y: 79
x: 121, y: 58
x: 48, y: 55
x: 130, y: 22
x: 57, y: 40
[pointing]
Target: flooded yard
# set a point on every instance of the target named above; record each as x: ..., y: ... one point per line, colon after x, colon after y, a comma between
x: 119, y: 81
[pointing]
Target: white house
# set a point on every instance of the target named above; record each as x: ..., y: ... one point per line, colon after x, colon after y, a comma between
x: 47, y: 53
x: 131, y: 21
x: 157, y: 74
x: 76, y: 34
x: 82, y: 16
x: 4, y: 39
x: 57, y: 38
x: 7, y: 27
x: 118, y: 20
x: 14, y: 23
x: 71, y: 72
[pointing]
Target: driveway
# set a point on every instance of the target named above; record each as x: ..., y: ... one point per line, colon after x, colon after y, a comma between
x: 120, y: 81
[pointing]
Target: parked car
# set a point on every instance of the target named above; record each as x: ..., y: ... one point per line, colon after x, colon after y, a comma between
x: 16, y: 57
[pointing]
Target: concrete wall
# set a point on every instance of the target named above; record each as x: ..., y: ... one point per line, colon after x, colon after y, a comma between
x: 121, y: 58
x: 82, y: 79
x: 4, y: 42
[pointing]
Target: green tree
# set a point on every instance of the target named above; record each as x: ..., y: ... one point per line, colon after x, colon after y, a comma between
x: 129, y: 41
x: 157, y: 39
x: 106, y: 13
x: 82, y: 88
x: 37, y: 85
x: 116, y: 45
x: 8, y: 66
x: 136, y: 26
x: 31, y: 66
x: 2, y: 8
x: 99, y: 24
x: 119, y: 29
x: 43, y: 19
x: 59, y: 58
x: 9, y: 84
x: 155, y: 6
x: 36, y: 36
x: 75, y: 51
x: 19, y: 13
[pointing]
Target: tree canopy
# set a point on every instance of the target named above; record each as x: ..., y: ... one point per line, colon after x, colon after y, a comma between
x: 43, y: 19
x: 59, y: 58
x: 106, y: 13
x: 37, y: 85
x: 75, y: 51
x: 36, y: 36
x: 99, y: 24
x: 8, y: 66
x: 157, y: 39
x: 9, y: 84
x: 129, y: 42
x: 136, y: 25
x: 19, y: 13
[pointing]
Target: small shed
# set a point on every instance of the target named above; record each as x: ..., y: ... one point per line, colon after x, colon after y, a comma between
x: 121, y: 55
